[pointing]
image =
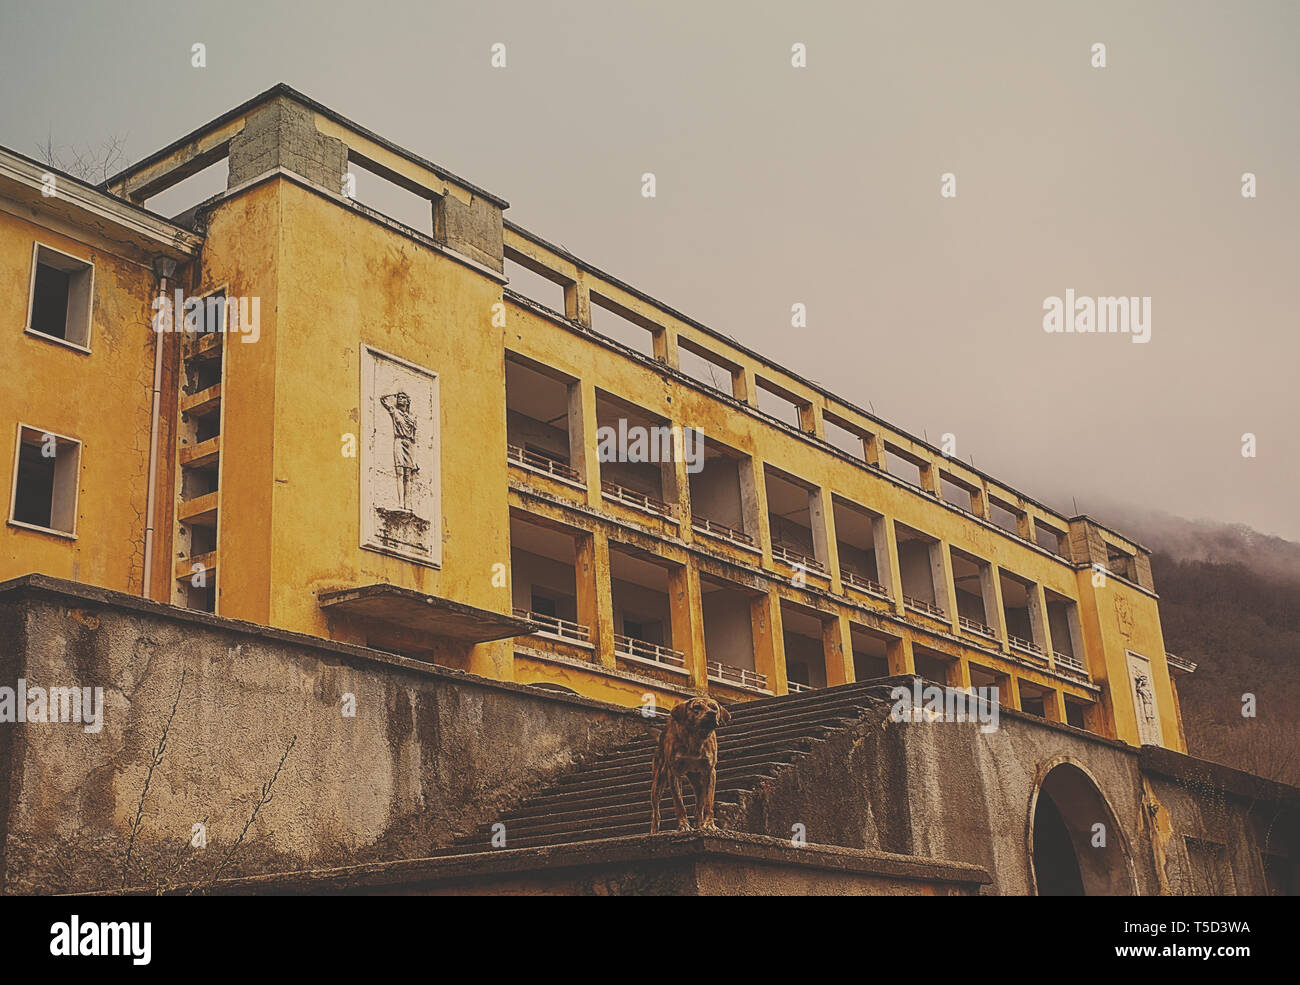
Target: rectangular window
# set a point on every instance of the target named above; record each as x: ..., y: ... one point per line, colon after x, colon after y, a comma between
x: 46, y: 470
x: 59, y: 307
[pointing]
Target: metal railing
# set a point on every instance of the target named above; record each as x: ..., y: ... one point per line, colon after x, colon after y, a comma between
x: 538, y: 462
x: 559, y: 628
x: 864, y: 583
x: 1025, y: 646
x: 626, y: 646
x: 796, y: 560
x: 1070, y: 666
x: 637, y: 500
x: 721, y: 531
x: 794, y: 687
x: 920, y: 605
x: 977, y: 627
x: 1180, y: 663
x: 726, y: 674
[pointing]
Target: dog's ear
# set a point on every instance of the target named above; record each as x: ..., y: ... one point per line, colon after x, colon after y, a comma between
x: 679, y: 713
x: 724, y: 716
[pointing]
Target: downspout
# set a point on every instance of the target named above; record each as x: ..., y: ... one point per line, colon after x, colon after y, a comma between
x: 163, y: 268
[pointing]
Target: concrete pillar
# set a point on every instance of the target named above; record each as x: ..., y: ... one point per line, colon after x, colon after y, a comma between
x: 769, y: 645
x: 945, y: 586
x: 962, y: 674
x: 665, y: 347
x: 891, y: 575
x: 979, y: 502
x: 746, y: 387
x: 874, y: 450
x: 810, y: 420
x: 1025, y: 526
x: 595, y: 600
x: 753, y: 497
x: 990, y: 591
x: 898, y: 652
x: 837, y: 642
x: 677, y: 484
x: 1038, y: 622
x: 472, y: 226
x: 930, y: 479
x: 821, y: 516
x: 1054, y: 705
x: 1009, y: 693
x: 686, y: 608
x: 584, y: 454
x: 283, y: 134
x: 577, y: 301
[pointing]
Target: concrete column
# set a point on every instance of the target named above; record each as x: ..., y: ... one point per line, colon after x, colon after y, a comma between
x: 837, y: 642
x: 821, y: 517
x: 1038, y: 622
x: 686, y: 607
x: 584, y: 454
x: 945, y: 586
x: 677, y: 484
x: 753, y: 497
x: 930, y: 479
x: 979, y: 502
x: 1054, y: 705
x: 769, y: 645
x: 665, y: 347
x: 993, y: 590
x: 962, y: 674
x: 595, y: 600
x: 898, y: 653
x: 891, y: 575
x: 577, y: 301
x: 746, y: 386
x: 1009, y: 693
x: 1025, y: 526
x: 874, y: 450
x: 945, y: 592
x: 810, y: 420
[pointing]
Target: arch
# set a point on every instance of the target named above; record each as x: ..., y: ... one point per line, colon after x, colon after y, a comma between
x: 1063, y: 860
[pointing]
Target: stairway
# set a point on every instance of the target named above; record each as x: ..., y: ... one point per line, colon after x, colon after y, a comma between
x: 610, y: 796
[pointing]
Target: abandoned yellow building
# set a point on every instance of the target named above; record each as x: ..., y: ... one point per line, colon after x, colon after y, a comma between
x: 434, y: 435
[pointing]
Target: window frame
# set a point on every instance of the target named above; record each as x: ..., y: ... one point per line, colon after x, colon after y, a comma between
x: 76, y: 492
x: 37, y: 247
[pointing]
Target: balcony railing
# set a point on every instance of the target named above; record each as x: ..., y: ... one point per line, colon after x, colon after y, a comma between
x: 721, y: 531
x: 562, y: 629
x: 920, y: 605
x: 1024, y: 646
x: 977, y: 627
x: 634, y: 499
x: 626, y: 646
x: 865, y: 584
x: 794, y: 687
x: 537, y: 462
x: 726, y: 674
x: 1070, y: 666
x: 796, y: 560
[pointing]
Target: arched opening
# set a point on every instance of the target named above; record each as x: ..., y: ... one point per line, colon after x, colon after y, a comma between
x: 1076, y: 846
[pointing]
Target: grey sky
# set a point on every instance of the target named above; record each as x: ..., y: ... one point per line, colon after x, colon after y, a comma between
x: 821, y: 186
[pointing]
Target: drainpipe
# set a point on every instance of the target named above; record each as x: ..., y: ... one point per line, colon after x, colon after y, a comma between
x: 163, y: 268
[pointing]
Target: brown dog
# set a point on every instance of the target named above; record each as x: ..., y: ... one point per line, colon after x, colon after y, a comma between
x: 689, y: 748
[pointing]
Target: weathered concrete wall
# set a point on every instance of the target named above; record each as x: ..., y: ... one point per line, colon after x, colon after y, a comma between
x: 950, y: 791
x: 429, y: 754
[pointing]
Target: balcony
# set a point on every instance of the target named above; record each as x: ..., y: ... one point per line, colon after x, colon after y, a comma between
x: 795, y: 559
x: 924, y: 607
x: 794, y: 687
x: 537, y: 462
x: 638, y: 501
x: 751, y: 680
x: 556, y: 628
x: 650, y: 653
x: 977, y: 627
x: 721, y: 531
x: 1025, y: 646
x: 1072, y: 667
x: 865, y: 584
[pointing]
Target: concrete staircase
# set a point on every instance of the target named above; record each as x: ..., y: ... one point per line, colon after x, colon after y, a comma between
x: 610, y: 796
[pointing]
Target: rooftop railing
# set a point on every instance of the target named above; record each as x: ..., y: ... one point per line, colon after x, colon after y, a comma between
x: 538, y: 462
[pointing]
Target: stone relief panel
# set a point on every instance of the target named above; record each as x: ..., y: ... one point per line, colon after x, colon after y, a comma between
x: 400, y: 471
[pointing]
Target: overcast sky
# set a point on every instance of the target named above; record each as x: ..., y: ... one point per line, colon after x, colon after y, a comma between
x: 821, y: 185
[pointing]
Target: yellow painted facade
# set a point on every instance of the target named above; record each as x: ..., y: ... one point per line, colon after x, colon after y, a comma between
x: 333, y: 276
